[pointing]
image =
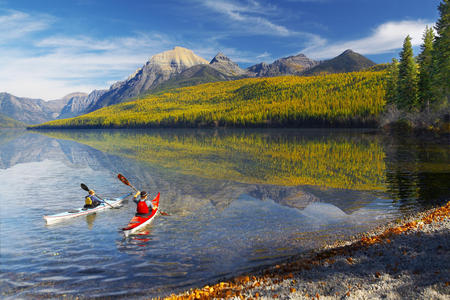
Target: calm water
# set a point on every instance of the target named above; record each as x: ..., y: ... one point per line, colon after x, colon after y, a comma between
x: 238, y: 199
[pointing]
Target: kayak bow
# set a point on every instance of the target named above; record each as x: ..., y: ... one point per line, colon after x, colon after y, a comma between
x: 115, y: 202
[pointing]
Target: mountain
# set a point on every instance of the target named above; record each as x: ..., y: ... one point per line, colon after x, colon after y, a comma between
x: 347, y: 61
x: 289, y: 101
x: 226, y: 66
x: 79, y: 102
x: 30, y: 111
x: 175, y: 68
x: 193, y: 76
x: 6, y: 122
x: 258, y: 70
x: 221, y: 68
x: 159, y: 68
x: 292, y: 65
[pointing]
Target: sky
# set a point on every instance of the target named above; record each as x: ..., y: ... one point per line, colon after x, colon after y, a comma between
x: 50, y: 48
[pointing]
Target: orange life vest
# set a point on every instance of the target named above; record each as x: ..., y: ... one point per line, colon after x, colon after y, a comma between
x: 142, y: 208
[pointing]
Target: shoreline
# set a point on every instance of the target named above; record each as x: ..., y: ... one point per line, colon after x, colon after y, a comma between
x: 407, y: 259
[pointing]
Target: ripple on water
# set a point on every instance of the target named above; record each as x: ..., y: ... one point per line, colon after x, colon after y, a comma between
x: 201, y: 242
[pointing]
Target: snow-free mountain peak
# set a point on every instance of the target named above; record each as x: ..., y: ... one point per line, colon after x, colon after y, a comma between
x: 161, y: 67
x: 177, y: 58
x: 225, y: 65
x: 293, y: 65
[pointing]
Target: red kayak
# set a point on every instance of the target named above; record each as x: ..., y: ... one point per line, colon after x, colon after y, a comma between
x: 139, y: 222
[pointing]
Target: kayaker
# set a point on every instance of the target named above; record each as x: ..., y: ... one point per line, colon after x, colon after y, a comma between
x: 91, y: 200
x: 144, y: 205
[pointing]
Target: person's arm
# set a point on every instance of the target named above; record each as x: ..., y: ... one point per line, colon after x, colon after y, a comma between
x: 135, y: 200
x: 150, y: 204
x: 95, y: 197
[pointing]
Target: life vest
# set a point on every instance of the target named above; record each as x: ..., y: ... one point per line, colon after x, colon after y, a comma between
x: 88, y: 201
x: 142, y: 208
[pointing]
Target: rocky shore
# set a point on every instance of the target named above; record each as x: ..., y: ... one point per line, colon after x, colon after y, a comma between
x: 409, y: 259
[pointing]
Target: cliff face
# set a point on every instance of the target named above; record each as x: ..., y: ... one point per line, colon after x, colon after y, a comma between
x: 78, y: 103
x: 226, y: 66
x: 159, y: 68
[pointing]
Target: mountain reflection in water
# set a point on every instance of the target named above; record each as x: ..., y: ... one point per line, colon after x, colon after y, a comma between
x: 238, y: 199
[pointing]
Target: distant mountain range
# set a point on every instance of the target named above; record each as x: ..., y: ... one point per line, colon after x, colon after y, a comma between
x: 292, y: 65
x: 30, y: 111
x: 6, y: 122
x: 178, y: 67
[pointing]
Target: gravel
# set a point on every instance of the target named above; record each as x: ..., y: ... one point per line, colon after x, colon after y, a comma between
x: 407, y: 260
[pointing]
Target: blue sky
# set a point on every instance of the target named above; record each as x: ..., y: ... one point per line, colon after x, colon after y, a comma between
x: 51, y: 48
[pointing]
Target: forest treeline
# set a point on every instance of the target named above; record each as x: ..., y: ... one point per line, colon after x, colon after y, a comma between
x: 336, y: 100
x: 418, y: 88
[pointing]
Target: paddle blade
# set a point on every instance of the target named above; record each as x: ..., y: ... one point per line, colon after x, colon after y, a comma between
x: 164, y: 213
x: 84, y: 187
x: 123, y: 179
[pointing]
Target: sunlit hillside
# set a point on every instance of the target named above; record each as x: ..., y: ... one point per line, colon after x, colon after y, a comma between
x: 348, y: 99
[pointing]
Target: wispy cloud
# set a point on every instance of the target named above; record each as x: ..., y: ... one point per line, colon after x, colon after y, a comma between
x: 50, y: 67
x: 16, y: 24
x: 385, y: 38
x: 248, y: 17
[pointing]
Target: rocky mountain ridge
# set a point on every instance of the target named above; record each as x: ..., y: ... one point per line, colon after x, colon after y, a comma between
x: 30, y: 111
x: 223, y: 64
x: 292, y: 65
x: 161, y: 67
x: 78, y: 103
x: 178, y: 67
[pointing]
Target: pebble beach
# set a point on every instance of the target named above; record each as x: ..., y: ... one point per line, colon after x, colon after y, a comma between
x: 406, y: 259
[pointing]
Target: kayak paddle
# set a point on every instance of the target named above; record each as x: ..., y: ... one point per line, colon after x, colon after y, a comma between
x: 84, y: 187
x: 126, y: 182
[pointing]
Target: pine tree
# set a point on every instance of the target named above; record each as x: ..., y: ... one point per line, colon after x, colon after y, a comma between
x: 441, y: 74
x: 407, y: 77
x: 425, y: 60
x: 391, y: 83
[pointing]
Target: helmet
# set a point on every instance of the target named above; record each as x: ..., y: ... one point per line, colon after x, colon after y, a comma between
x: 143, y: 194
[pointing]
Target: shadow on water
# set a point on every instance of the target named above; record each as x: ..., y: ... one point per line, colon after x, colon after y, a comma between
x: 417, y: 170
x: 238, y: 199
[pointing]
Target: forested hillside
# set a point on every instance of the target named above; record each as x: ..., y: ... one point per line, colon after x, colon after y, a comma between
x: 346, y: 100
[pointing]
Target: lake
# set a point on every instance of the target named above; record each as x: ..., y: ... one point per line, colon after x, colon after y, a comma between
x: 238, y: 200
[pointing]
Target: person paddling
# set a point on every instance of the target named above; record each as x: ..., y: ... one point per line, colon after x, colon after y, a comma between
x: 91, y: 200
x: 144, y: 205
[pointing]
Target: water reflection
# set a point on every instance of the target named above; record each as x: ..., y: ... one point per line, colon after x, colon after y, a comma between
x: 338, y: 159
x: 418, y: 170
x: 90, y: 220
x: 238, y: 199
x: 291, y: 167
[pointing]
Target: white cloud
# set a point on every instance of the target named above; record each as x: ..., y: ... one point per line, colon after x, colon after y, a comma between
x: 385, y: 38
x: 17, y: 24
x: 53, y: 66
x: 250, y: 17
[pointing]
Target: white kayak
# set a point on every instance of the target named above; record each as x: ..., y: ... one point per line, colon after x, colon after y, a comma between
x: 115, y: 202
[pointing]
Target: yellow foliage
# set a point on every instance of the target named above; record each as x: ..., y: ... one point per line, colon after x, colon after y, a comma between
x: 346, y: 99
x: 249, y: 157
